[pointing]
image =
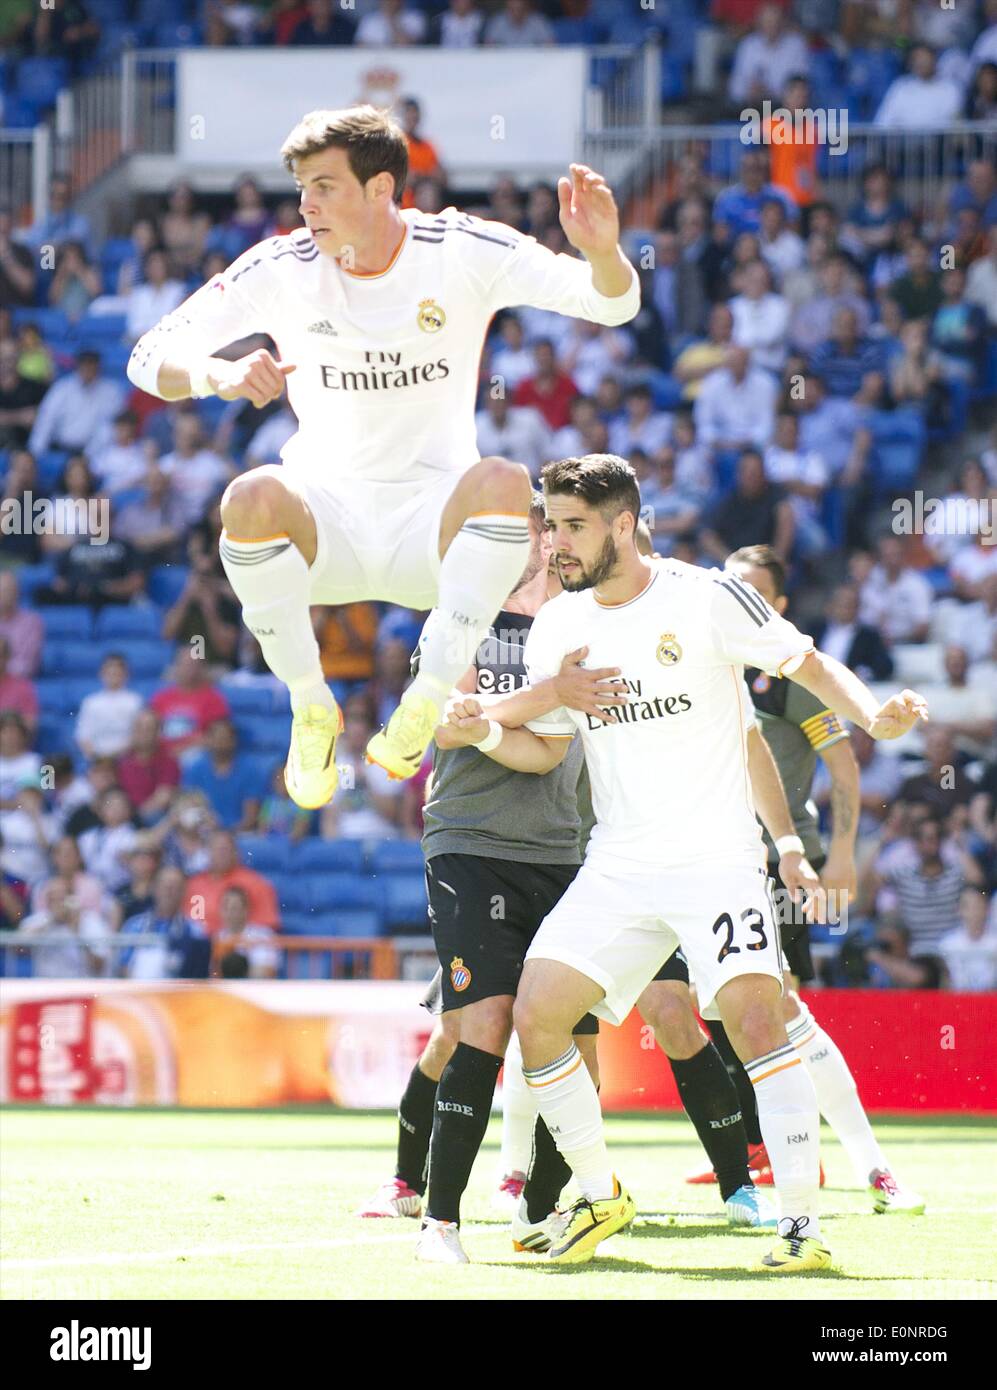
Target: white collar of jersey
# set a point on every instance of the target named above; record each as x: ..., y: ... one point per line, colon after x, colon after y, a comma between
x: 611, y: 607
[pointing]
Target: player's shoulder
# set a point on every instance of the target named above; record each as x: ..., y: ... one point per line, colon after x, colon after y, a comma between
x: 461, y: 233
x: 276, y: 256
x: 559, y: 616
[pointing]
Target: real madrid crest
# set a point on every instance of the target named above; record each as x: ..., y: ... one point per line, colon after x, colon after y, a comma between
x: 460, y: 976
x: 430, y: 317
x: 669, y: 652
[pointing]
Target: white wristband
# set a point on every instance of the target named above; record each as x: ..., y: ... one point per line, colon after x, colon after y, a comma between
x: 492, y: 739
x: 789, y: 844
x: 200, y: 386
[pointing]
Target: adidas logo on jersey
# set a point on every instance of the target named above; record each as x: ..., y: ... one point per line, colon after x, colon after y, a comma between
x: 323, y: 326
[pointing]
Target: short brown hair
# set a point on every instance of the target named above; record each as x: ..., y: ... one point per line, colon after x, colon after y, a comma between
x: 604, y: 481
x: 762, y: 557
x: 374, y: 142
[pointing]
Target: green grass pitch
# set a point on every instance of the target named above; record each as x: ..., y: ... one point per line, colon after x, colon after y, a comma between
x: 214, y: 1205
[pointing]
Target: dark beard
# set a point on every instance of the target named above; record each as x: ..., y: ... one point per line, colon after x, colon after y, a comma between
x: 601, y: 569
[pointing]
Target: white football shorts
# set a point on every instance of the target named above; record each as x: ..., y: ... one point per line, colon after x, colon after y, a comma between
x: 375, y: 540
x: 620, y: 928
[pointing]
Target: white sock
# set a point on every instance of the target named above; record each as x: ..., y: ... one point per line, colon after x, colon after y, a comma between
x: 790, y: 1125
x: 569, y: 1103
x: 837, y: 1094
x: 485, y: 560
x: 519, y: 1113
x: 270, y: 579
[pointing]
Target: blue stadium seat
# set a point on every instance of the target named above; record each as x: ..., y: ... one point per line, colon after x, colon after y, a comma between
x: 136, y: 620
x: 325, y: 856
x: 70, y: 659
x: 177, y: 35
x: 68, y: 621
x: 20, y: 114
x: 53, y: 735
x: 899, y: 438
x: 263, y: 733
x: 41, y: 79
x: 63, y: 696
x: 395, y: 856
x: 51, y: 323
x: 405, y: 903
x: 50, y: 466
x: 97, y: 330
x: 267, y: 854
x: 113, y: 359
x: 166, y: 584
x: 356, y: 921
x: 325, y: 891
x: 146, y: 657
x: 248, y: 699
x: 579, y: 31
x: 32, y: 577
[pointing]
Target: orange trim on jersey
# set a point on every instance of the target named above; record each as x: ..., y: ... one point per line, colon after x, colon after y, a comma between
x: 799, y: 661
x: 537, y: 1085
x: 627, y: 601
x: 809, y: 1038
x: 519, y: 516
x: 775, y: 1071
x: 373, y: 274
x: 252, y: 540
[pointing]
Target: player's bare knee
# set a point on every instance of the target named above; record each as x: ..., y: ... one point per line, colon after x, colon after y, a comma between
x: 255, y: 504
x: 760, y: 1029
x: 671, y: 1017
x: 504, y: 484
x: 487, y: 1024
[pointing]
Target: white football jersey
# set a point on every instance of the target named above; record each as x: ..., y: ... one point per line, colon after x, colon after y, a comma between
x: 669, y: 774
x: 387, y: 364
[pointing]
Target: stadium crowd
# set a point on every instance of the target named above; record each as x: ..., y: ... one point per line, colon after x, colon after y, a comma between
x: 796, y: 367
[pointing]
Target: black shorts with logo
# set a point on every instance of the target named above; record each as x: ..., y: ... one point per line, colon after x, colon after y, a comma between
x: 484, y: 914
x: 794, y: 936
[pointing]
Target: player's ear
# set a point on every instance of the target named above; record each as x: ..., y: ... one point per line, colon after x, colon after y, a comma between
x: 381, y: 185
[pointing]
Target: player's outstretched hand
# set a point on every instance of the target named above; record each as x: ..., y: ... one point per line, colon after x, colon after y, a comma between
x: 589, y: 215
x: 802, y: 883
x: 466, y: 723
x: 898, y: 715
x: 588, y: 691
x: 257, y: 378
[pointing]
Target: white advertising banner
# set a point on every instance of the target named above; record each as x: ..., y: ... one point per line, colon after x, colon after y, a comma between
x: 484, y: 110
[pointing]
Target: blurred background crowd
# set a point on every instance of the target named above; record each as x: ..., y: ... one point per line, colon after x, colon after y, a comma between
x: 796, y: 368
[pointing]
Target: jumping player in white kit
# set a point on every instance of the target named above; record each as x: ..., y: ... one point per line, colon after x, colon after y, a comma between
x: 675, y: 858
x: 378, y: 316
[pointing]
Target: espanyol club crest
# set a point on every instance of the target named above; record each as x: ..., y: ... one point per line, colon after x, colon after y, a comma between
x: 430, y: 317
x: 460, y: 976
x: 669, y: 652
x: 761, y: 683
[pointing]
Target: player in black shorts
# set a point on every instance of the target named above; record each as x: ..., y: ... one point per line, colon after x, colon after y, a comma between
x: 798, y: 728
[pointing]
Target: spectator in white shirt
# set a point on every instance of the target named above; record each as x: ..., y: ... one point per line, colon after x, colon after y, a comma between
x: 967, y: 510
x: 391, y: 26
x: 78, y: 951
x: 921, y: 99
x: 238, y: 935
x: 896, y: 599
x: 693, y: 473
x: 198, y: 474
x: 105, y: 848
x: 28, y: 832
x: 761, y: 318
x: 592, y: 352
x: 766, y: 59
x: 512, y: 361
x: 518, y: 27
x: 783, y: 251
x: 803, y: 475
x: 121, y: 461
x: 642, y: 427
x: 19, y: 766
x: 981, y: 280
x: 974, y: 626
x: 969, y: 952
x: 157, y: 296
x: 569, y: 441
x: 75, y: 407
x: 104, y: 723
x: 270, y: 438
x: 736, y: 405
x: 513, y: 431
x: 460, y: 27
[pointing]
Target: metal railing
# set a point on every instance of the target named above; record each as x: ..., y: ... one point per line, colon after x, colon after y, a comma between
x: 924, y: 163
x: 25, y: 169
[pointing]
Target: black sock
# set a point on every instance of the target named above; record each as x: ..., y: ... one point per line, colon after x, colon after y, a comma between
x: 415, y: 1125
x: 548, y: 1175
x: 710, y: 1101
x: 737, y: 1074
x: 463, y: 1106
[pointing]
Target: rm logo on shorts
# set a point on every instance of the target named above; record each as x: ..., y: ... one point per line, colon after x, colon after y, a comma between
x: 460, y: 976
